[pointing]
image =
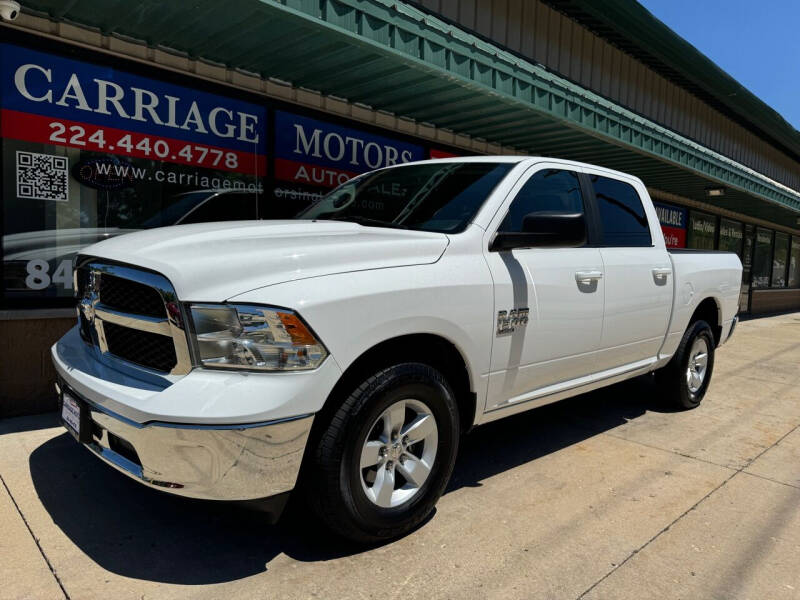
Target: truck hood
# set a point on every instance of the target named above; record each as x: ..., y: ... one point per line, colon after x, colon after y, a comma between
x: 212, y: 262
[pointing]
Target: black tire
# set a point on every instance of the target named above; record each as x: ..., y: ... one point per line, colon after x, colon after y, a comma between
x: 673, y: 379
x: 333, y: 484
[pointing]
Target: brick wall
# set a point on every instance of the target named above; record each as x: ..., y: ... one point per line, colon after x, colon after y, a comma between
x: 26, y: 371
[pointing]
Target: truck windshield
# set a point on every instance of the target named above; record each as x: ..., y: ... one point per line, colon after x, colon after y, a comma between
x: 440, y: 197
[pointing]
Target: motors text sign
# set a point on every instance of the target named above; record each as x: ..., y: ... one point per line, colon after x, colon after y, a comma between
x: 313, y: 152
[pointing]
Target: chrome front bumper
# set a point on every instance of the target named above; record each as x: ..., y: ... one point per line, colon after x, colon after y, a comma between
x: 225, y: 462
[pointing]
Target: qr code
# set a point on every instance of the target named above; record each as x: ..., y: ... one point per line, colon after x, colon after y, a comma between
x: 42, y: 176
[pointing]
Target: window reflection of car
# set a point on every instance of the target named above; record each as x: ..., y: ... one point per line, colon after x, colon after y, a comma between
x: 41, y: 253
x: 55, y: 246
x: 205, y: 206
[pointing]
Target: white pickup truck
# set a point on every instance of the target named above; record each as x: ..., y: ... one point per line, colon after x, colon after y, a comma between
x: 343, y: 354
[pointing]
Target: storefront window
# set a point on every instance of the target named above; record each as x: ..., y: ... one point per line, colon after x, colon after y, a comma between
x: 762, y: 259
x: 779, y: 260
x: 702, y: 230
x: 730, y: 236
x: 794, y: 263
x: 90, y: 152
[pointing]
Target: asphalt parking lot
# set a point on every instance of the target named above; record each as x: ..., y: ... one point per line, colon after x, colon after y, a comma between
x: 607, y: 495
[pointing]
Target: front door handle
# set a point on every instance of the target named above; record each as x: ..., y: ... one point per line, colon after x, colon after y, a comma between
x: 587, y: 277
x: 660, y: 275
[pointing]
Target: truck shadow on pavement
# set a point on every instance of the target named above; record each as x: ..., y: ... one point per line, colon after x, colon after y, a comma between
x: 145, y: 534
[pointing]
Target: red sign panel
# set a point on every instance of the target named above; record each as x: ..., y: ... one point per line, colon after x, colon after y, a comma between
x: 86, y: 136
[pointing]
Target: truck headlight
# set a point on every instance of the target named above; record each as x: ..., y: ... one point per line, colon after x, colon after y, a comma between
x: 250, y: 337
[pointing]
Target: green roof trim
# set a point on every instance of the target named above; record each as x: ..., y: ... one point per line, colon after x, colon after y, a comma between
x: 394, y: 57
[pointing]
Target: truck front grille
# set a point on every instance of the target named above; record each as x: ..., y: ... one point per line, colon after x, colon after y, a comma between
x: 149, y: 350
x: 131, y: 316
x: 130, y: 296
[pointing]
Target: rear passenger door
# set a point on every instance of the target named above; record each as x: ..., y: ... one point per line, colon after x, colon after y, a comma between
x: 638, y: 274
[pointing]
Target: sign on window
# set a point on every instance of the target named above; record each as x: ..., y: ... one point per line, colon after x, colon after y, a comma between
x: 97, y: 152
x: 673, y: 224
x: 313, y: 156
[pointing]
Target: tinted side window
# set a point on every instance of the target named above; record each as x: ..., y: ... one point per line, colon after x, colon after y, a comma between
x: 224, y: 207
x: 621, y: 213
x: 552, y: 190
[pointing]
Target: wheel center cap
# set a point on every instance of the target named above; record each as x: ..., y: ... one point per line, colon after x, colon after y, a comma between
x: 395, y: 450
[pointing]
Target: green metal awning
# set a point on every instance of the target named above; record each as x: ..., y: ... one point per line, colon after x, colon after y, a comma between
x: 393, y: 57
x: 630, y: 26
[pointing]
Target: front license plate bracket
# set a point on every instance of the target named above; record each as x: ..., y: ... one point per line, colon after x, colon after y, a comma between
x: 76, y: 417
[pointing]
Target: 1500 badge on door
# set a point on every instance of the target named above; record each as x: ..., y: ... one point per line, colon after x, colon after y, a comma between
x: 509, y: 320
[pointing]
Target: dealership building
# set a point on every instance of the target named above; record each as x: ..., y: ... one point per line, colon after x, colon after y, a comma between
x: 119, y: 116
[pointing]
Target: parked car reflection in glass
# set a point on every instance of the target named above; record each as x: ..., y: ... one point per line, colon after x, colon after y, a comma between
x: 34, y: 260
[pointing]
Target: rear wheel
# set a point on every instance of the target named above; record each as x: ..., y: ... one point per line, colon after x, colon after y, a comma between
x: 686, y: 377
x: 386, y: 455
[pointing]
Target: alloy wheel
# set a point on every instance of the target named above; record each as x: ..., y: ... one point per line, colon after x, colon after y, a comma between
x: 698, y: 365
x: 398, y: 453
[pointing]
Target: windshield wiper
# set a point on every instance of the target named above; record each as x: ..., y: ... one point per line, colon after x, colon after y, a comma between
x: 367, y: 221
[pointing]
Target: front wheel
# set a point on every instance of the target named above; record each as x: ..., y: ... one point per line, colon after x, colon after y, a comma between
x: 686, y: 377
x: 386, y: 454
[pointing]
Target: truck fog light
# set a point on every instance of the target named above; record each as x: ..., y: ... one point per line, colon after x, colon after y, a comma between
x: 252, y: 337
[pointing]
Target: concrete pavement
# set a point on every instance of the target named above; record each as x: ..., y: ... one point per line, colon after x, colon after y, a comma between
x: 608, y: 495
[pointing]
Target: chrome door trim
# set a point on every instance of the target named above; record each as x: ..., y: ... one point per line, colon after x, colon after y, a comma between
x: 572, y: 388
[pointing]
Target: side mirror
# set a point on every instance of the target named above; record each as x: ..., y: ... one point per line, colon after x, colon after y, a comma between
x: 544, y: 230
